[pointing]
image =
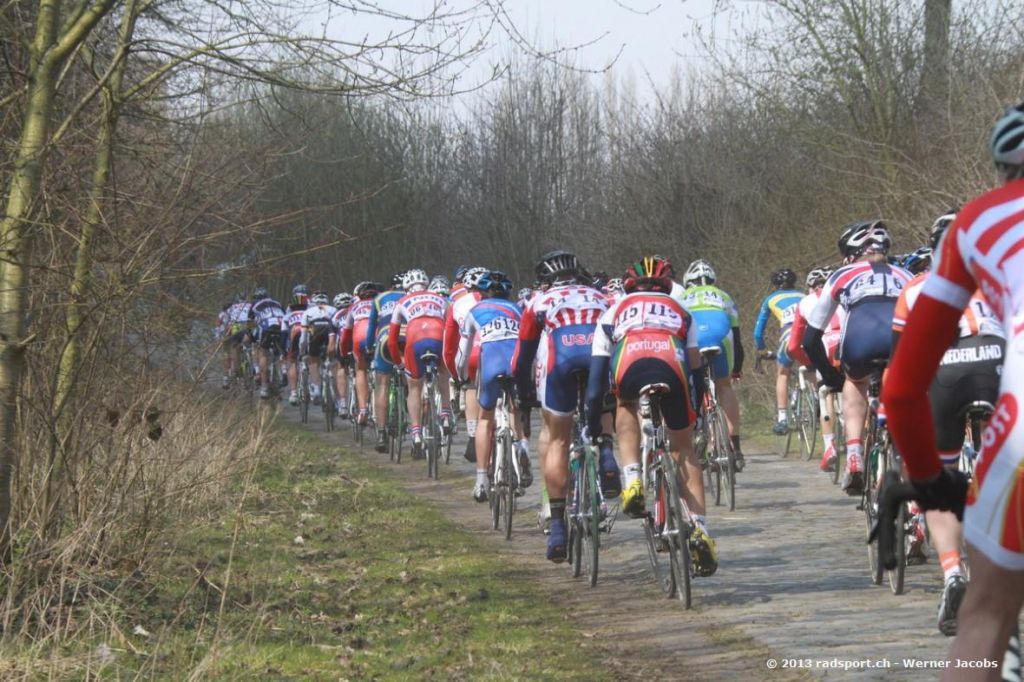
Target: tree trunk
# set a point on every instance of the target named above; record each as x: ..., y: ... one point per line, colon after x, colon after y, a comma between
x: 934, y: 89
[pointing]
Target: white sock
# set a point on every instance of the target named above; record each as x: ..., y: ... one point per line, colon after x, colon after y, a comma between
x: 630, y: 473
x: 828, y: 437
x: 471, y: 428
x: 481, y: 476
x: 782, y: 415
x: 698, y: 520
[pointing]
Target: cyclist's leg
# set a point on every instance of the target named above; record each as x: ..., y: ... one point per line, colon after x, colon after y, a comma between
x: 855, y: 412
x: 382, y: 367
x: 781, y: 391
x: 472, y: 406
x: 293, y: 355
x: 487, y: 400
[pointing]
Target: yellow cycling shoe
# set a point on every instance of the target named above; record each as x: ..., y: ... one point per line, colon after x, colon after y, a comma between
x: 705, y: 556
x: 633, y: 499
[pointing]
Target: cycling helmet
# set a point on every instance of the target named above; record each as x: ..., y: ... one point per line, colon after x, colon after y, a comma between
x: 496, y: 283
x: 459, y: 273
x: 343, y: 300
x: 817, y: 277
x: 556, y: 265
x: 1007, y: 141
x: 858, y: 237
x: 320, y: 298
x: 524, y: 294
x: 614, y: 286
x: 300, y: 295
x: 918, y: 261
x: 366, y: 290
x: 784, y: 278
x: 599, y: 279
x: 240, y: 297
x: 650, y: 273
x: 260, y: 294
x: 415, y: 278
x: 939, y: 227
x: 699, y: 272
x: 472, y: 277
x: 439, y: 284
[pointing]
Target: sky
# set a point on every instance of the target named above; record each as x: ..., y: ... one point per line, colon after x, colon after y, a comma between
x: 642, y: 40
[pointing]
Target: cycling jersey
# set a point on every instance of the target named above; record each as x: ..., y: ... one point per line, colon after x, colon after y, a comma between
x: 867, y: 292
x: 423, y: 313
x: 557, y: 329
x: 379, y: 327
x: 462, y: 301
x: 237, y: 316
x: 317, y: 328
x: 982, y: 249
x: 293, y: 325
x: 830, y: 337
x: 495, y: 322
x: 715, y: 317
x: 644, y: 337
x: 353, y: 332
x: 268, y: 319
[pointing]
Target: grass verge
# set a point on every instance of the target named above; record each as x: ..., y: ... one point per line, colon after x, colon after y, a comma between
x: 326, y: 569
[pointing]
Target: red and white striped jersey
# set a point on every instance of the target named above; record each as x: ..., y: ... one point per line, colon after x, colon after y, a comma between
x: 854, y: 284
x: 561, y: 306
x: 359, y: 312
x: 418, y: 304
x: 984, y: 249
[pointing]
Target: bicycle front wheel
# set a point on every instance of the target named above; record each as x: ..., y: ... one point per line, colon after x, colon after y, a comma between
x: 510, y: 485
x: 725, y: 457
x: 896, y: 575
x: 808, y: 423
x: 839, y: 443
x: 304, y: 397
x: 677, y: 529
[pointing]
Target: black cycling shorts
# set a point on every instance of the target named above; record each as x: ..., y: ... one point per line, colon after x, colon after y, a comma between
x: 675, y: 405
x: 318, y: 341
x: 867, y: 336
x: 970, y: 371
x: 270, y: 338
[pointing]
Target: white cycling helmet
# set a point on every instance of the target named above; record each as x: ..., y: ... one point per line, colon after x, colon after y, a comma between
x: 817, y: 277
x: 615, y: 286
x: 473, y: 276
x: 343, y: 300
x: 414, y: 278
x: 1007, y: 141
x: 439, y: 284
x: 320, y: 298
x: 699, y: 272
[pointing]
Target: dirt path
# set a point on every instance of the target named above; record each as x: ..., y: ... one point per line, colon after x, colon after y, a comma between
x: 793, y: 580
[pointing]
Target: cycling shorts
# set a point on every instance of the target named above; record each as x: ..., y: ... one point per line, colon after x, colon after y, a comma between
x: 495, y: 360
x: 969, y: 372
x: 382, y: 361
x: 422, y: 335
x: 318, y: 341
x: 238, y: 333
x: 564, y: 354
x: 867, y: 336
x: 994, y: 519
x: 781, y: 356
x: 713, y: 329
x: 359, y: 341
x: 293, y: 341
x: 675, y: 405
x: 269, y: 337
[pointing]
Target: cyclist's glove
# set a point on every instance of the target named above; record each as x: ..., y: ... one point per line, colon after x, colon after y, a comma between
x: 945, y: 492
x: 834, y: 379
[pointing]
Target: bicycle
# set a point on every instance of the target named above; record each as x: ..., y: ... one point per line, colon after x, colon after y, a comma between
x: 504, y: 465
x: 825, y: 394
x: 667, y: 524
x: 398, y: 414
x: 585, y: 510
x: 327, y: 392
x: 978, y: 414
x: 715, y: 449
x: 881, y: 457
x: 431, y: 429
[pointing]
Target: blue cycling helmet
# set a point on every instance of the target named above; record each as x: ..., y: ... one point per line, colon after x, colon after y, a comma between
x: 918, y: 261
x: 496, y: 283
x: 459, y: 273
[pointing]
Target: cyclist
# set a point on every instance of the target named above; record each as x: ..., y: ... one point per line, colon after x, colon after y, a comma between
x: 816, y: 279
x: 342, y: 302
x: 317, y: 329
x: 867, y: 288
x: 423, y: 313
x: 557, y: 329
x: 982, y: 249
x: 920, y: 260
x: 355, y: 340
x: 383, y: 363
x: 523, y: 297
x: 718, y: 324
x: 267, y: 316
x: 465, y: 294
x: 293, y: 325
x: 781, y: 304
x: 236, y: 334
x: 495, y: 320
x: 614, y: 290
x: 969, y: 372
x: 648, y: 338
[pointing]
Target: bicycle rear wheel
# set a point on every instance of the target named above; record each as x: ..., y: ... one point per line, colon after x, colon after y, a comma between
x: 808, y: 423
x: 591, y: 515
x: 496, y: 476
x: 660, y: 565
x: 725, y: 457
x: 432, y: 439
x: 304, y: 396
x: 677, y: 530
x: 896, y: 575
x: 510, y: 485
x: 839, y: 443
x: 328, y: 400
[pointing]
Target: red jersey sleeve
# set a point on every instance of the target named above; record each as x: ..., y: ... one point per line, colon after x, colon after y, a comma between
x: 450, y: 343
